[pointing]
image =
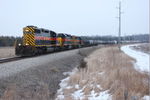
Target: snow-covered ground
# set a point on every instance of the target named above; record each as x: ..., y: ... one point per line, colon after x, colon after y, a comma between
x: 142, y: 59
x: 77, y: 91
x: 146, y: 98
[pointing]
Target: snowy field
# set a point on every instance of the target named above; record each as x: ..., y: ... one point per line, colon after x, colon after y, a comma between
x: 142, y: 59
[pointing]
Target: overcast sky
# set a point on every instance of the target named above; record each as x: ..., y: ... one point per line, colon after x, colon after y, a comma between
x: 78, y: 17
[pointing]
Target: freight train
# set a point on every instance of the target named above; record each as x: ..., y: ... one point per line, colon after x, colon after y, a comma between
x: 39, y: 40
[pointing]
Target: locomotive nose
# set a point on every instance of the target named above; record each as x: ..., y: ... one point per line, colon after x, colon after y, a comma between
x: 28, y: 37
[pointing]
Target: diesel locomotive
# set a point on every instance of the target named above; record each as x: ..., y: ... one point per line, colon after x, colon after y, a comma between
x: 39, y: 40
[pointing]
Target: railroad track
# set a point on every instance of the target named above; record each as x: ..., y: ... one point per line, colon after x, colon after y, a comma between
x: 5, y: 60
x: 10, y: 59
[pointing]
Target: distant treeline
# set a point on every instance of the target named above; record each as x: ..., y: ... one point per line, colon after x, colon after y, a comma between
x: 10, y: 40
x: 139, y: 38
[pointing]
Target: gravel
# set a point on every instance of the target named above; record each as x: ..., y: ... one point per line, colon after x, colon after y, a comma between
x: 8, y: 69
x: 38, y: 78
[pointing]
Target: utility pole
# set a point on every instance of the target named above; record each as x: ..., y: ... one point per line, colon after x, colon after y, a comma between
x: 119, y: 20
x: 149, y: 60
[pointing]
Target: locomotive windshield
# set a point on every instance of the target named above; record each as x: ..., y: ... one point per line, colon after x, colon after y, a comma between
x: 37, y: 31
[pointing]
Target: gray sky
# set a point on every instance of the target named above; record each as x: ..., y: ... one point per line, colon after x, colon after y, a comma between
x: 78, y: 17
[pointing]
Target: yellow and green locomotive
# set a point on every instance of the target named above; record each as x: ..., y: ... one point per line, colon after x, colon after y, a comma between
x: 39, y: 40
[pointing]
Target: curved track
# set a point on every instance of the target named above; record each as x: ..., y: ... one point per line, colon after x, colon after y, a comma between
x: 5, y: 60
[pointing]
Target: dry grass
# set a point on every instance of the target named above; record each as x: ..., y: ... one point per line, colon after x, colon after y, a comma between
x: 7, y: 52
x: 112, y: 70
x: 143, y: 47
x: 40, y: 93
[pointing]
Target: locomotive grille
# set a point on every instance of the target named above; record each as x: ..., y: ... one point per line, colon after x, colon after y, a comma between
x: 28, y: 36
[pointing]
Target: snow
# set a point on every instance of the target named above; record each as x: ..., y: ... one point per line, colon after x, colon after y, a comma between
x: 142, y: 59
x: 69, y: 87
x: 104, y: 95
x: 78, y: 95
x: 101, y: 96
x: 101, y: 73
x: 146, y: 98
x: 77, y: 86
x: 64, y: 83
x: 60, y: 97
x: 66, y: 73
x: 98, y: 86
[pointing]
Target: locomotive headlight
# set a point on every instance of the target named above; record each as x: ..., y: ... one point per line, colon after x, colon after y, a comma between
x: 19, y: 44
x: 27, y: 44
x: 26, y: 30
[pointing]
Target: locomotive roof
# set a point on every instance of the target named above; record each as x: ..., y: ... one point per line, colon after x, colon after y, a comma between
x: 31, y: 26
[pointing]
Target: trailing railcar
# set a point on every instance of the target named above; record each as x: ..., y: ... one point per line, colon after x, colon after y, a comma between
x: 67, y: 41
